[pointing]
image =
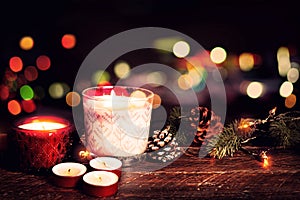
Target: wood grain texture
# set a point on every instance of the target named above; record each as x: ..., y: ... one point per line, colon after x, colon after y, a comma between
x: 189, y: 177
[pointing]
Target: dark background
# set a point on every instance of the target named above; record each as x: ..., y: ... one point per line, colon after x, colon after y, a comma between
x: 256, y: 26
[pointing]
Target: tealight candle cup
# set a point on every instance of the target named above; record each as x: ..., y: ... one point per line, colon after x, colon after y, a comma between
x: 68, y: 174
x: 109, y: 164
x: 100, y: 183
x: 42, y: 141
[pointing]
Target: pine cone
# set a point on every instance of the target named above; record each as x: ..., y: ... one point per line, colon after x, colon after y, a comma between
x: 167, y: 154
x: 159, y: 139
x: 205, y: 122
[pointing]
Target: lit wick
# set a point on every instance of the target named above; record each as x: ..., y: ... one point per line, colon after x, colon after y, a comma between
x: 69, y: 170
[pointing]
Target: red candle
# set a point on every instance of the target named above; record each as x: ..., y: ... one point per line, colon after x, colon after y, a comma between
x: 42, y: 141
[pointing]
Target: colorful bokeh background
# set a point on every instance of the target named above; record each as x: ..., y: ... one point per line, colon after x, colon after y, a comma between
x: 255, y: 45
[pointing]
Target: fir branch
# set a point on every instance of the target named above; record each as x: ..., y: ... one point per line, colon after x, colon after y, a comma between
x: 226, y: 143
x: 285, y: 129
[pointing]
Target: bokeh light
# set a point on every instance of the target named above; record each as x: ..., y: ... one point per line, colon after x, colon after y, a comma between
x: 43, y: 62
x: 4, y: 92
x: 31, y: 73
x: 28, y: 106
x: 185, y: 82
x: 181, y: 49
x: 246, y: 61
x: 26, y: 43
x: 286, y: 89
x: 290, y: 101
x: 156, y: 78
x: 68, y: 41
x: 73, y: 99
x: 100, y: 76
x: 255, y: 89
x: 122, y: 69
x: 293, y: 75
x: 56, y: 90
x: 15, y: 64
x: 156, y: 101
x: 14, y: 107
x: 283, y: 58
x: 26, y: 92
x: 218, y: 55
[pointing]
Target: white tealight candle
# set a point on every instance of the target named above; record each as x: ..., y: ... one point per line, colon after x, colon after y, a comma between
x: 68, y: 174
x: 107, y: 164
x: 100, y: 183
x: 100, y: 178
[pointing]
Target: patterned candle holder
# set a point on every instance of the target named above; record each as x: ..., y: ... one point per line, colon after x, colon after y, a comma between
x: 42, y: 141
x: 117, y: 120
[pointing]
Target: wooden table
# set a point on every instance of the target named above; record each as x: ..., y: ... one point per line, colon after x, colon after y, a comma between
x: 189, y: 177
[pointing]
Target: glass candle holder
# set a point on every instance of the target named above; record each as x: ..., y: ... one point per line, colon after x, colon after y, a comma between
x: 42, y: 141
x: 117, y: 120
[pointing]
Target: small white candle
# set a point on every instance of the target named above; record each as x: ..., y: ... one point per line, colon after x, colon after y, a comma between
x: 105, y: 163
x: 100, y: 178
x: 69, y: 169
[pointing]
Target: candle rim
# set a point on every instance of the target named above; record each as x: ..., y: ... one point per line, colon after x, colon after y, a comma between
x: 82, y: 169
x: 114, y: 177
x: 42, y: 118
x: 149, y: 92
x: 104, y: 159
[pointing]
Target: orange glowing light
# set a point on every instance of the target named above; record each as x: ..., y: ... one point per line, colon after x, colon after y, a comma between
x: 26, y: 43
x: 84, y: 154
x: 104, y: 83
x: 16, y: 64
x: 246, y: 125
x: 272, y: 112
x: 266, y: 163
x: 68, y: 41
x: 156, y: 101
x: 31, y: 73
x: 43, y: 62
x: 14, y: 107
x: 73, y: 99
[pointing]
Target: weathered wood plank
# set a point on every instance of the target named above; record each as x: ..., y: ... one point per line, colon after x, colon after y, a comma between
x: 238, y: 177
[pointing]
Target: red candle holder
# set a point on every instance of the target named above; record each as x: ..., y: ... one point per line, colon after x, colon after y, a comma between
x: 42, y: 141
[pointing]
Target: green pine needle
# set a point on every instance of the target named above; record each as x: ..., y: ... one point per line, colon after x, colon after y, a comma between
x: 285, y: 129
x: 226, y: 143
